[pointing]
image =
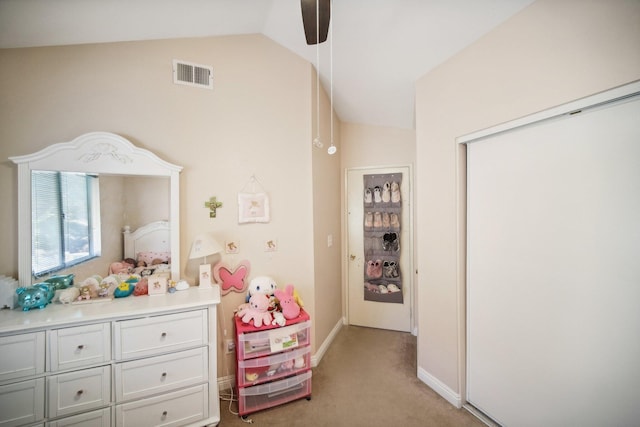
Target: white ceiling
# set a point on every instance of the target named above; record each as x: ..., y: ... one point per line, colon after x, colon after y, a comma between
x: 380, y: 47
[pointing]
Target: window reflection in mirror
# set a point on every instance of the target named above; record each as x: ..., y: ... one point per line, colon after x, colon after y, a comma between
x: 65, y: 220
x: 123, y: 200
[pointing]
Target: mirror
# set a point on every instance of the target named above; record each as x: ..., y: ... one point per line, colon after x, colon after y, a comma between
x: 112, y: 157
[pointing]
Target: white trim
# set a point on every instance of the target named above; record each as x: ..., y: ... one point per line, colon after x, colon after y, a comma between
x: 589, y: 101
x: 441, y: 388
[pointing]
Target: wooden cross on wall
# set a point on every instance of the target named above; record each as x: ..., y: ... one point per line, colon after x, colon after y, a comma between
x: 212, y: 204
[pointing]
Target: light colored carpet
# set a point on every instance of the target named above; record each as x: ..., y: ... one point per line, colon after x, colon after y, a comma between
x: 366, y: 378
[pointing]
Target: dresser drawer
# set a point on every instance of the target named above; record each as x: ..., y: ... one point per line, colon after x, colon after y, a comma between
x: 79, y: 346
x: 154, y: 335
x: 146, y: 377
x: 22, y: 403
x: 172, y: 409
x: 79, y: 391
x: 22, y: 355
x: 99, y: 418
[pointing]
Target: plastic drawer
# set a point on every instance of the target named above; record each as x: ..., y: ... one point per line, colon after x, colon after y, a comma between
x: 257, y: 344
x: 269, y: 368
x: 256, y: 398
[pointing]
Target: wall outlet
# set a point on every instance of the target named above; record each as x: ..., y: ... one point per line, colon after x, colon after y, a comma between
x: 229, y: 346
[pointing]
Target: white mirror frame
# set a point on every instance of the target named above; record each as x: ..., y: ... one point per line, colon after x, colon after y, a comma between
x: 97, y: 152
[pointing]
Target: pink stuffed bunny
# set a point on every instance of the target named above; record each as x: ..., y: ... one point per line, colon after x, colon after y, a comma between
x: 290, y: 308
x: 257, y: 310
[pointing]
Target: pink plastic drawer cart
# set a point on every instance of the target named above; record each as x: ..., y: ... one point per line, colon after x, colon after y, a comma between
x: 273, y: 364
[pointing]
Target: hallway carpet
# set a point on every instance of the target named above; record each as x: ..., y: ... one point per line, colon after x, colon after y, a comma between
x: 366, y: 378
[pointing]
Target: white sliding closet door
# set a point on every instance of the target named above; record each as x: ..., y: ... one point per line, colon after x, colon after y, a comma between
x: 553, y: 286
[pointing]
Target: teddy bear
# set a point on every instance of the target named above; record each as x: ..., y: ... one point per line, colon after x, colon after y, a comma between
x: 257, y: 311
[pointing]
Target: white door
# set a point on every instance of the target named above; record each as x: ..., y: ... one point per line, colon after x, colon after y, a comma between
x: 380, y: 248
x: 553, y: 238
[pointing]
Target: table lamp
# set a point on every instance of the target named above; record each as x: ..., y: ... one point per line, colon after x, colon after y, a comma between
x: 204, y: 245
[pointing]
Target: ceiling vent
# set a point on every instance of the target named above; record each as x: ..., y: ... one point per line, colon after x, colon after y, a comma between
x: 190, y: 74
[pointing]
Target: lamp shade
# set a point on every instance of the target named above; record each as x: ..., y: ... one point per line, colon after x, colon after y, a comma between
x: 203, y: 245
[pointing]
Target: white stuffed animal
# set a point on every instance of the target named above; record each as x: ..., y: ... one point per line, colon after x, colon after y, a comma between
x: 261, y: 285
x: 67, y: 296
x: 278, y: 319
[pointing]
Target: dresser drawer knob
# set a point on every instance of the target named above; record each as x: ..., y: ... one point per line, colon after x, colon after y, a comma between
x: 79, y: 393
x: 163, y: 335
x: 80, y: 347
x: 164, y: 375
x: 164, y: 414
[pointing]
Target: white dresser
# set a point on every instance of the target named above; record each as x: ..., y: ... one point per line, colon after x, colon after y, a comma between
x: 135, y: 361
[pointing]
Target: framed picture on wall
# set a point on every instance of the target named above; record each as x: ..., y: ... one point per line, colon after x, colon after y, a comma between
x: 253, y: 207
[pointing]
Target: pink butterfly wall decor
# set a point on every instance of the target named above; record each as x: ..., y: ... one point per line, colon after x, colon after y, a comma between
x: 232, y: 280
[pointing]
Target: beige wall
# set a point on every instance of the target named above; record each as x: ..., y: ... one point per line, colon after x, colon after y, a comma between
x: 257, y: 121
x: 551, y: 53
x: 326, y: 219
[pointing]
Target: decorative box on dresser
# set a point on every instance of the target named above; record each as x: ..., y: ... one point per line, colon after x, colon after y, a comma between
x: 135, y: 361
x: 273, y: 363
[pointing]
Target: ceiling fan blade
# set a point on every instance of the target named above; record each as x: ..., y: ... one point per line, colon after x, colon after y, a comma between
x: 312, y: 32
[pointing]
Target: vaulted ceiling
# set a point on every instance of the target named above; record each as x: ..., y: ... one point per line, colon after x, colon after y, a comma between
x: 380, y: 47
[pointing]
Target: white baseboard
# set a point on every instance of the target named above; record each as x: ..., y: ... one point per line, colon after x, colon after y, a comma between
x: 440, y: 388
x: 320, y: 351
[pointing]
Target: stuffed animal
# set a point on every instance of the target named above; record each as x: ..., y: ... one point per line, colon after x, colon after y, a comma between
x: 257, y: 310
x: 141, y: 287
x: 290, y: 308
x: 123, y: 290
x: 299, y: 362
x: 252, y: 374
x: 122, y: 267
x: 287, y: 365
x: 278, y: 319
x: 85, y: 293
x: 67, y: 296
x: 103, y: 291
x: 261, y: 285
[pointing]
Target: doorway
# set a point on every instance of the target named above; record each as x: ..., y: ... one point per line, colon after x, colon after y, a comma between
x: 380, y: 247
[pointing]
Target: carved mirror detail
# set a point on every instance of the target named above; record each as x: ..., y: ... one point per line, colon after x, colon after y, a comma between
x: 105, y: 154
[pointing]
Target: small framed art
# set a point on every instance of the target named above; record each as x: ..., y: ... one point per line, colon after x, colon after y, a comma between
x: 157, y: 284
x: 253, y: 207
x: 205, y: 276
